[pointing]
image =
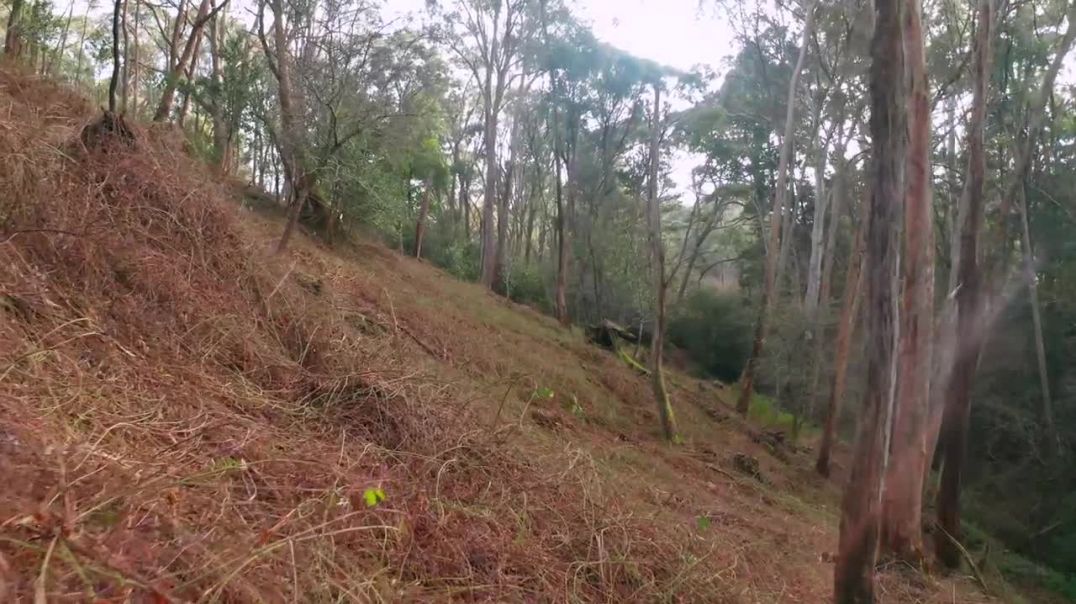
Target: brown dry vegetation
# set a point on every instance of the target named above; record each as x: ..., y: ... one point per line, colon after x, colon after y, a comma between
x: 185, y: 417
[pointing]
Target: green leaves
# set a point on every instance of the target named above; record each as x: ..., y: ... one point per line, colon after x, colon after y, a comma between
x: 573, y: 407
x: 373, y: 496
x: 543, y: 392
x: 703, y: 523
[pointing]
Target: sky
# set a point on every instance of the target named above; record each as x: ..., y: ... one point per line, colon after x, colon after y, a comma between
x: 677, y: 33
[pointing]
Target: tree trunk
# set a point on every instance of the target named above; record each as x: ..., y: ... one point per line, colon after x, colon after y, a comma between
x: 818, y: 232
x: 423, y: 212
x: 561, y: 285
x: 657, y: 260
x: 853, y: 286
x: 126, y: 77
x: 114, y: 81
x: 968, y: 301
x: 135, y: 68
x: 532, y: 211
x: 860, y: 507
x: 293, y: 153
x: 489, y: 198
x: 500, y: 264
x: 465, y: 205
x: 189, y: 77
x: 172, y: 78
x: 903, y: 505
x: 222, y: 136
x: 13, y: 41
x: 747, y: 380
x: 1053, y: 442
x: 825, y: 280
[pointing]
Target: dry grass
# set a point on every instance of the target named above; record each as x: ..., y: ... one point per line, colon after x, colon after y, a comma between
x: 184, y: 417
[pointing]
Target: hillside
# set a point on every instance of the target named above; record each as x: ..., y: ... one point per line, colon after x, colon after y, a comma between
x: 186, y: 417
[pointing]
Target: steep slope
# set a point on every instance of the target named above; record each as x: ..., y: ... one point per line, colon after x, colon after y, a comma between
x: 186, y: 417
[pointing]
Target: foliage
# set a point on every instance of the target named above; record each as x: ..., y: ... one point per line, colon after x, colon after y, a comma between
x: 715, y: 330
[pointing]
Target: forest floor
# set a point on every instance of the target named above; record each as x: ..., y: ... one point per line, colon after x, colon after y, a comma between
x: 185, y: 416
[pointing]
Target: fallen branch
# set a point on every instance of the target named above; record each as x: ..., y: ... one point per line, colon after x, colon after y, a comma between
x: 967, y: 558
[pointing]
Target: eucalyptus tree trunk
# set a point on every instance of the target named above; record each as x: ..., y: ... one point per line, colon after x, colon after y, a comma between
x: 423, y: 212
x: 13, y: 40
x: 489, y: 197
x: 560, y: 287
x: 969, y: 299
x: 769, y: 295
x: 189, y: 76
x: 114, y: 80
x: 905, y: 475
x: 818, y: 244
x: 853, y: 287
x: 1053, y: 442
x: 178, y: 70
x: 860, y: 508
x: 657, y: 262
x: 292, y: 149
x: 222, y: 135
x: 125, y: 82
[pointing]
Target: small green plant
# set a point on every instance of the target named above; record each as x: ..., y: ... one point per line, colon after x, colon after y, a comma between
x: 373, y: 496
x: 572, y: 406
x: 703, y: 523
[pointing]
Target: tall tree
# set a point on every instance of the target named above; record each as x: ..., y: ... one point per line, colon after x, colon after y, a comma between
x: 13, y: 37
x: 488, y: 36
x: 769, y: 294
x: 293, y: 151
x: 178, y: 71
x: 969, y: 297
x: 860, y: 507
x: 657, y: 267
x: 114, y: 80
x: 901, y: 525
x: 853, y: 287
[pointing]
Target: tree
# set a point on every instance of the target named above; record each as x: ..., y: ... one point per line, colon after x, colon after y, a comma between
x: 657, y: 262
x: 179, y: 70
x: 293, y: 151
x: 488, y: 36
x: 860, y: 506
x: 853, y: 287
x: 968, y: 298
x: 769, y: 294
x: 905, y: 474
x: 113, y: 83
x: 13, y: 40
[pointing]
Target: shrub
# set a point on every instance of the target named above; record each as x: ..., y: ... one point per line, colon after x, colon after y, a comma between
x: 526, y: 284
x: 715, y: 330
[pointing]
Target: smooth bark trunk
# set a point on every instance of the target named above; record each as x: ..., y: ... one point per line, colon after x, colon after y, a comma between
x: 861, y: 505
x: 769, y: 295
x: 178, y: 70
x: 1053, y: 442
x: 818, y: 232
x: 292, y: 151
x: 13, y: 40
x: 420, y: 226
x: 657, y: 260
x: 853, y: 286
x: 903, y: 505
x: 114, y: 81
x: 969, y: 298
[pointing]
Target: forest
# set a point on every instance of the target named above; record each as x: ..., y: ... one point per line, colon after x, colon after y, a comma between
x: 857, y: 219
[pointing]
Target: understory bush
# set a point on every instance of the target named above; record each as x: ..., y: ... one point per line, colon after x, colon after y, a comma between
x: 715, y: 330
